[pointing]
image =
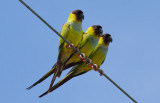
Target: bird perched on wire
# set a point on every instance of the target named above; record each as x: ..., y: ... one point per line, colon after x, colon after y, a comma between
x: 88, y: 44
x: 98, y: 56
x: 73, y: 33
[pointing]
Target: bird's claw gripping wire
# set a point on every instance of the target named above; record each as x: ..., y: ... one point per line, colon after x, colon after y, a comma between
x: 69, y: 46
x: 82, y: 56
x: 101, y: 72
x: 95, y: 67
x: 89, y: 61
x: 72, y: 46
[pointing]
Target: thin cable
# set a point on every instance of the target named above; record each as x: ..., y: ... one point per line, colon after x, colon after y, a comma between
x: 87, y: 59
x: 120, y: 89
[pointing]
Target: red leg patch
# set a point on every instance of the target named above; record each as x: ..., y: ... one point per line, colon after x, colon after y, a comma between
x: 67, y: 45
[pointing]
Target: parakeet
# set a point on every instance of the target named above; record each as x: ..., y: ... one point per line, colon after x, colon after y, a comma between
x: 88, y: 44
x: 72, y: 32
x: 98, y: 56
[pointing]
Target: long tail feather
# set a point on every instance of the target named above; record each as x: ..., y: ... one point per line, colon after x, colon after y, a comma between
x: 64, y: 80
x: 60, y: 70
x: 44, y: 77
x: 53, y: 79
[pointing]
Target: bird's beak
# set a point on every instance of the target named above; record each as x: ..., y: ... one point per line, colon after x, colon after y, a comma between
x: 100, y: 32
x: 110, y: 39
x: 82, y: 16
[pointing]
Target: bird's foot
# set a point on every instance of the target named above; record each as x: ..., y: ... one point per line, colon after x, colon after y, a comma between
x: 101, y: 73
x: 82, y: 56
x: 90, y: 65
x: 95, y: 67
x: 69, y: 46
x: 89, y: 61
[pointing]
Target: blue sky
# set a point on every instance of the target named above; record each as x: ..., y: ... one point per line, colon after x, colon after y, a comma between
x: 29, y: 49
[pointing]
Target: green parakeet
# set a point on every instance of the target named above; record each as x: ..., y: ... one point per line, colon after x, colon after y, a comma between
x: 98, y: 56
x: 88, y: 44
x: 72, y: 32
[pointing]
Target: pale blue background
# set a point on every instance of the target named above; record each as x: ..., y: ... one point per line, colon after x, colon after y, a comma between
x: 28, y: 49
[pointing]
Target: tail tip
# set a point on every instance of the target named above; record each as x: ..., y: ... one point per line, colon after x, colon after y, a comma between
x: 29, y: 88
x: 41, y: 96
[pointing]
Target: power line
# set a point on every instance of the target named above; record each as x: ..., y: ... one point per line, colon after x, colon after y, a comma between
x: 87, y: 59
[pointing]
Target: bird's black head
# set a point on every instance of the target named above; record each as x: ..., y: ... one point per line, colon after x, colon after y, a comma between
x: 107, y: 38
x: 98, y: 29
x: 79, y: 14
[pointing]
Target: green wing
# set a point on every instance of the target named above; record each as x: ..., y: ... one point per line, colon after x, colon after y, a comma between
x: 64, y: 32
x: 98, y: 55
x: 84, y: 40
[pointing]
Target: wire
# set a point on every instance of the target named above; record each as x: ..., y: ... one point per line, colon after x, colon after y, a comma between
x: 87, y: 59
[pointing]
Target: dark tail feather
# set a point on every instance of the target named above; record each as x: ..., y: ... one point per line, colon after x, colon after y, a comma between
x: 44, y: 77
x: 53, y: 79
x: 60, y: 70
x: 68, y: 77
x: 64, y: 67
